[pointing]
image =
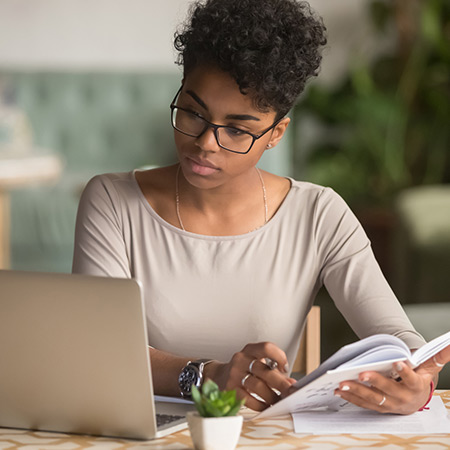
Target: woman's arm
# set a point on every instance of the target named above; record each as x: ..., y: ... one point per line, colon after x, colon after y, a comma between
x: 353, y: 277
x: 360, y: 291
x: 247, y: 365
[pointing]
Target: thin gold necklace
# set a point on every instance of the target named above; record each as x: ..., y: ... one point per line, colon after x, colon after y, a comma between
x: 177, y: 199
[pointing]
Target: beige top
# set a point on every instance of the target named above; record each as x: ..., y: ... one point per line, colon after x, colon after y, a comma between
x: 208, y: 296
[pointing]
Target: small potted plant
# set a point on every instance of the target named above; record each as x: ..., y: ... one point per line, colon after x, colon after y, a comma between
x: 215, y: 425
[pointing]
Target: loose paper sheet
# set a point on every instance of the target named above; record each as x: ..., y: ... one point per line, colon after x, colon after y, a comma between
x: 355, y: 420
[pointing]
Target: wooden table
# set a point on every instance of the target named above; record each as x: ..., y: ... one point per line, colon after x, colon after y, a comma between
x: 19, y: 172
x: 271, y: 433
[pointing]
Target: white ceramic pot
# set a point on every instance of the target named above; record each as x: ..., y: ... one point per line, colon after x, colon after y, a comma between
x: 214, y: 433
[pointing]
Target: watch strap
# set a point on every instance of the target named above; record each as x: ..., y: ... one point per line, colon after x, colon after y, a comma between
x: 199, y: 364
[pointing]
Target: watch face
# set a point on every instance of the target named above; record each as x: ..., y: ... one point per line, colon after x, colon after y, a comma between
x: 189, y: 376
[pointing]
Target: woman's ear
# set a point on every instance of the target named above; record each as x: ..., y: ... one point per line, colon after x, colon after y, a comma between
x: 278, y: 132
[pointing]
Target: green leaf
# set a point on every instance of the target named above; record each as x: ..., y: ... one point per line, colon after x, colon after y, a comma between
x: 196, y: 396
x: 209, y: 387
x: 212, y: 410
x: 229, y: 396
x: 233, y: 411
x: 211, y: 402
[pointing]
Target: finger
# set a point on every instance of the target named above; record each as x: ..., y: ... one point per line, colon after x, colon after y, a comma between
x: 376, y: 383
x: 437, y: 362
x: 364, y: 397
x: 290, y: 390
x: 250, y: 401
x: 268, y: 350
x: 257, y: 386
x: 272, y: 378
x: 443, y: 357
x: 410, y: 378
x: 392, y: 387
x: 239, y: 377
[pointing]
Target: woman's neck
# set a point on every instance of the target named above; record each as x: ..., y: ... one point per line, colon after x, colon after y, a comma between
x: 235, y: 208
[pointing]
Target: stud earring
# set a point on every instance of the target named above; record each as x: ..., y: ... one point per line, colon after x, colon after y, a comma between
x: 269, y: 146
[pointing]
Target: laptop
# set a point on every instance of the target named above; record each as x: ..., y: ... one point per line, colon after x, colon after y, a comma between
x: 74, y: 358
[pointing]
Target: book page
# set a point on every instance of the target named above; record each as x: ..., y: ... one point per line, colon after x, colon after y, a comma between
x: 356, y: 420
x: 348, y: 352
x: 382, y: 353
x: 376, y: 353
x: 430, y: 349
x: 320, y: 392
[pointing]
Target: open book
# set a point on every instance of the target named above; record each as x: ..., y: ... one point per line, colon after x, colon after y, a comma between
x: 375, y: 353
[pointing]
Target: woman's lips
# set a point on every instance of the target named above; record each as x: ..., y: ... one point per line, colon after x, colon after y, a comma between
x: 201, y: 167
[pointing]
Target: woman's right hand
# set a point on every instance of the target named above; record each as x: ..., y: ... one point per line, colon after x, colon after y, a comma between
x: 248, y: 373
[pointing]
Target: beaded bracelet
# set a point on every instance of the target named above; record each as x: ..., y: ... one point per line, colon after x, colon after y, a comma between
x: 429, y: 397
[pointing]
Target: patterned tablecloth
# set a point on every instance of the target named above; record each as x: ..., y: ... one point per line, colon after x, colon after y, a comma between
x: 272, y: 433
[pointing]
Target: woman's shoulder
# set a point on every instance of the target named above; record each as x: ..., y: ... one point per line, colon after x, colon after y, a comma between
x: 314, y: 201
x: 109, y: 185
x: 301, y: 190
x: 125, y: 183
x: 156, y: 179
x: 306, y: 187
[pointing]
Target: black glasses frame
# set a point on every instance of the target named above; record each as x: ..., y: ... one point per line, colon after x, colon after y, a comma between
x: 215, y: 127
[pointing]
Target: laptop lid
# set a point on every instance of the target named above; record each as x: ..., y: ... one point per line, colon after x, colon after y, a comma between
x: 74, y: 355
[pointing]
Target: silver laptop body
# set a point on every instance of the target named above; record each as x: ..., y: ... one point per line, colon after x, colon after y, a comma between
x: 74, y: 357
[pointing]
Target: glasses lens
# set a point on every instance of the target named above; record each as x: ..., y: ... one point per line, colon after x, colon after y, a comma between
x: 234, y: 139
x: 187, y: 122
x: 229, y: 138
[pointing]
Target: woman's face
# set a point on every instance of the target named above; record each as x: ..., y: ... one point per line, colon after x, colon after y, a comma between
x: 215, y: 96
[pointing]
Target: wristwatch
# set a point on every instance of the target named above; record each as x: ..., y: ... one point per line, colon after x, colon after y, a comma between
x: 191, y: 375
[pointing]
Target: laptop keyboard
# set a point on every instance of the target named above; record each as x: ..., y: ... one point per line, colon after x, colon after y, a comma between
x: 164, y: 419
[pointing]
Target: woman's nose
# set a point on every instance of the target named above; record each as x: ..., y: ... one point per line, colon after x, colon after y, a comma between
x: 207, y: 140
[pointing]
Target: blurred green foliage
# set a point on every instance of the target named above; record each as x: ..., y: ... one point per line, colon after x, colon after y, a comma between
x: 211, y: 402
x: 387, y: 126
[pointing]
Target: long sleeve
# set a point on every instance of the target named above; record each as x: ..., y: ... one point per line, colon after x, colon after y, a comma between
x: 352, y: 275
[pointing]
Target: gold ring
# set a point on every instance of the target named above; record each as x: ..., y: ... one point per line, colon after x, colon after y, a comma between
x: 250, y: 367
x: 245, y: 379
x: 382, y: 401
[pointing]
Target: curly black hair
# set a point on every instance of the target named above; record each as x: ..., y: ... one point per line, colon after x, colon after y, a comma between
x: 270, y: 47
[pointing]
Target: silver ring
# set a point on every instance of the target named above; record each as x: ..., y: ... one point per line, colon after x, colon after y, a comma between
x: 250, y: 367
x: 382, y: 401
x: 437, y: 364
x: 245, y: 379
x: 271, y: 364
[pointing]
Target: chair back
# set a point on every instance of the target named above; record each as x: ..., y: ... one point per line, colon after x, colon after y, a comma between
x: 308, y: 356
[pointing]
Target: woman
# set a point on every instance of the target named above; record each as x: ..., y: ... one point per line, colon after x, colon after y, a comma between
x: 231, y: 257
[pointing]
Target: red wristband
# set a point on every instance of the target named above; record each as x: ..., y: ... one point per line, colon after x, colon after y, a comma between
x: 429, y: 398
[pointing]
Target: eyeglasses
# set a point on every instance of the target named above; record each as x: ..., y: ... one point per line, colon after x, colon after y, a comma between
x: 229, y: 138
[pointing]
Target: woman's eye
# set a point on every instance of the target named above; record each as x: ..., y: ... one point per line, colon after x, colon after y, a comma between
x: 194, y: 116
x: 188, y: 110
x: 194, y: 113
x: 234, y: 132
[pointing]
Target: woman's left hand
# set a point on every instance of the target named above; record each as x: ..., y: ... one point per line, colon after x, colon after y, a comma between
x: 386, y: 395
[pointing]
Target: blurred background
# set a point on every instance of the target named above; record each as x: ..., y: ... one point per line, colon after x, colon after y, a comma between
x: 85, y: 88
